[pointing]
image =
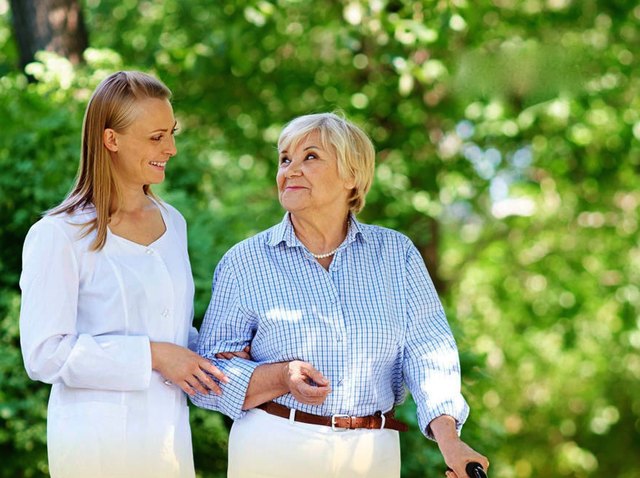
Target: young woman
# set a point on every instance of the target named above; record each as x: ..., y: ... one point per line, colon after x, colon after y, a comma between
x: 107, y: 299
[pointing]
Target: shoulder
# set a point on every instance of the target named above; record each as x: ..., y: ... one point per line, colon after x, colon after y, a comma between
x: 173, y: 218
x: 385, y: 237
x: 171, y: 212
x: 57, y: 235
x: 251, y: 249
x: 64, y: 225
x: 250, y: 245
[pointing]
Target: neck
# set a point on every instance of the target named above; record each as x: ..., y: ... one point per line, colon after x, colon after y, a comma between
x: 320, y: 235
x: 132, y: 200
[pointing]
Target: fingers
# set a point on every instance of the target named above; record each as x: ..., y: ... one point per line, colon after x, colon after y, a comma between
x: 213, y: 370
x: 244, y: 354
x: 317, y: 377
x: 196, y: 386
x: 202, y: 378
x: 309, y: 394
x: 306, y: 384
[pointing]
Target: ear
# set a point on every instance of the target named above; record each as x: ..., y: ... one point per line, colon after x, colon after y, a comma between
x: 350, y: 183
x: 110, y: 140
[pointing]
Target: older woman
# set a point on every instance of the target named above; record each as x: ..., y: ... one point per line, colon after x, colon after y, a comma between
x: 107, y: 299
x: 340, y: 316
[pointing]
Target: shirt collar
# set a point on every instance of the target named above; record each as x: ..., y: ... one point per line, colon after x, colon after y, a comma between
x: 283, y: 232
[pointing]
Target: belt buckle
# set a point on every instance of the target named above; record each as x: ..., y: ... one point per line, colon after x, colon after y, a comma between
x: 333, y: 422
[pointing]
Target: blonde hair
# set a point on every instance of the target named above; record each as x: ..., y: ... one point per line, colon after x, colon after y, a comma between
x: 353, y: 148
x: 111, y: 106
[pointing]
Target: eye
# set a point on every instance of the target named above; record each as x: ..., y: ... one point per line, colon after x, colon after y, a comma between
x: 174, y: 130
x: 311, y: 156
x: 156, y: 138
x: 284, y: 160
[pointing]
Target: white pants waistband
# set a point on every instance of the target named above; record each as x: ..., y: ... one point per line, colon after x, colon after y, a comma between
x: 265, y: 446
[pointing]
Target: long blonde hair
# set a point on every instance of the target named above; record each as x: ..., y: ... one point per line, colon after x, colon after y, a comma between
x: 110, y: 106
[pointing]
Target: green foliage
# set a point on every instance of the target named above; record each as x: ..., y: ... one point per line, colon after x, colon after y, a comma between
x: 508, y: 138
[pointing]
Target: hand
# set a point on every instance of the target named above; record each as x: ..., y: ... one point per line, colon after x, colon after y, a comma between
x: 245, y: 353
x: 457, y: 454
x: 305, y: 383
x: 185, y: 368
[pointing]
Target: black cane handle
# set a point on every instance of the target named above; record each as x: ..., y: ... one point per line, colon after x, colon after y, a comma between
x: 474, y: 470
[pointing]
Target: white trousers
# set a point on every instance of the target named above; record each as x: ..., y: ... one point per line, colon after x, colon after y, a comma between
x: 266, y: 446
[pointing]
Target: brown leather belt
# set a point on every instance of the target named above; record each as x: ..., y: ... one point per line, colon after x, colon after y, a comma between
x: 343, y: 422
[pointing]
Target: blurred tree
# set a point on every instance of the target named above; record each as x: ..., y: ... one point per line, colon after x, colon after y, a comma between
x: 50, y: 25
x: 509, y: 150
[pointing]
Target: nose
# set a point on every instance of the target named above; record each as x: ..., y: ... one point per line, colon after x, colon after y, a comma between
x: 171, y: 146
x: 293, y: 170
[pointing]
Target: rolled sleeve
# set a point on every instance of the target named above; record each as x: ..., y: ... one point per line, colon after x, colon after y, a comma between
x: 431, y: 364
x: 226, y: 327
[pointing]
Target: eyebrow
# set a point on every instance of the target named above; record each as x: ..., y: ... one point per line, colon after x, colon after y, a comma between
x: 305, y: 149
x: 165, y: 129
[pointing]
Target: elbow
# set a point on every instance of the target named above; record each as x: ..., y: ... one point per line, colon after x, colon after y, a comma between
x: 41, y: 372
x: 43, y: 363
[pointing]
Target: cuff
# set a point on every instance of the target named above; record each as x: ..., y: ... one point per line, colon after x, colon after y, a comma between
x: 234, y: 392
x: 458, y: 409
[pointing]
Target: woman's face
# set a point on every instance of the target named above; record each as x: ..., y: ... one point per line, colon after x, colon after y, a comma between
x: 308, y: 180
x: 141, y: 152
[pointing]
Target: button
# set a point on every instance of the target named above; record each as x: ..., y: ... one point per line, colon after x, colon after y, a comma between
x: 165, y: 313
x: 149, y: 251
x: 339, y: 339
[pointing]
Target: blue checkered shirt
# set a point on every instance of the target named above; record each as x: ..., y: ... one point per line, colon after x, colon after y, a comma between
x: 371, y: 324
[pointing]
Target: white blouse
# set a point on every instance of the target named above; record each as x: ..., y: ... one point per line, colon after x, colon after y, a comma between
x: 86, y: 321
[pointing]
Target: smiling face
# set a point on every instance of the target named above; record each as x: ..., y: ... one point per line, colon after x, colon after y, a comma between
x: 140, y: 153
x: 308, y: 179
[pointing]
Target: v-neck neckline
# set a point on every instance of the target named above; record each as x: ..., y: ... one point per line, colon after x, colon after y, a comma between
x: 155, y: 241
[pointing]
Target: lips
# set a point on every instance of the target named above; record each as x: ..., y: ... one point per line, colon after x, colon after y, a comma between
x: 293, y: 187
x: 158, y: 164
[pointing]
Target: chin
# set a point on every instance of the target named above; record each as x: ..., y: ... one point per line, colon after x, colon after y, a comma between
x: 293, y: 208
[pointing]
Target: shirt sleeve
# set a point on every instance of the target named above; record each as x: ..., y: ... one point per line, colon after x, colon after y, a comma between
x: 226, y: 327
x: 193, y: 339
x: 431, y: 365
x: 52, y: 349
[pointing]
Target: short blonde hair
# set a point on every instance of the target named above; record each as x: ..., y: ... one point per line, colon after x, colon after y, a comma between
x: 353, y: 148
x: 112, y: 105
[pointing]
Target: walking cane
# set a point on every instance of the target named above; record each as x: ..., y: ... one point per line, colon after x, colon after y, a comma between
x: 474, y: 470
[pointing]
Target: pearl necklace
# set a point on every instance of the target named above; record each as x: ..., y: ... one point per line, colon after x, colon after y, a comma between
x: 322, y: 256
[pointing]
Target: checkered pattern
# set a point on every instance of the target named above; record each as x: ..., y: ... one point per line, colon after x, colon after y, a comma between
x: 371, y: 324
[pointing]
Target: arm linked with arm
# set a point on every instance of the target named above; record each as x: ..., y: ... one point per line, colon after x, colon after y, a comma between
x: 228, y: 327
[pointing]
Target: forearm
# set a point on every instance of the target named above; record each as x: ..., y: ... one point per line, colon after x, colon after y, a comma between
x: 443, y: 429
x: 266, y: 383
x: 106, y: 362
x: 456, y: 453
